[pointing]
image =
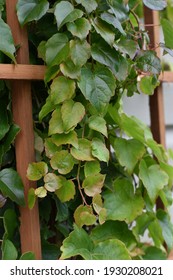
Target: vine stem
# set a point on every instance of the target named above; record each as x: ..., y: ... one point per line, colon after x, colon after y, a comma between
x: 79, y: 185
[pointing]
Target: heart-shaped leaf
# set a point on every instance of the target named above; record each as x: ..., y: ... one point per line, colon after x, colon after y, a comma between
x: 62, y: 161
x: 83, y: 152
x: 153, y: 178
x: 11, y: 186
x: 67, y: 190
x: 65, y: 12
x: 122, y: 203
x: 97, y: 86
x: 80, y: 28
x: 31, y: 10
x: 6, y: 42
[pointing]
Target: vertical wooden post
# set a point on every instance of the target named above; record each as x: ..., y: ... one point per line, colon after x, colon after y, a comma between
x: 156, y: 101
x: 24, y: 145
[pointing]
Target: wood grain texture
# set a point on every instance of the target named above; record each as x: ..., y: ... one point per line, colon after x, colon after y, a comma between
x: 22, y: 72
x: 156, y: 101
x: 24, y: 144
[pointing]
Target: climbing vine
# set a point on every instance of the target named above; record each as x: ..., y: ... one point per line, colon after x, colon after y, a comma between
x: 99, y: 171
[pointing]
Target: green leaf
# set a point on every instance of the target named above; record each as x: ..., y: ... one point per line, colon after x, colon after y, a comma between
x: 31, y: 198
x: 36, y: 170
x: 65, y: 12
x: 50, y: 251
x: 70, y: 70
x: 10, y: 224
x: 69, y: 109
x: 10, y: 136
x: 61, y: 89
x: 31, y: 10
x: 167, y: 227
x: 77, y: 243
x: 91, y: 168
x: 80, y: 28
x: 104, y: 54
x: 89, y: 6
x: 119, y: 8
x: 11, y: 186
x: 62, y: 121
x: 147, y: 85
x: 4, y: 124
x: 50, y: 147
x: 97, y: 86
x: 62, y: 161
x: 9, y: 251
x: 155, y: 4
x: 127, y: 46
x: 99, y: 150
x: 8, y: 139
x: 99, y: 124
x: 128, y: 152
x: 122, y: 203
x: 166, y: 50
x: 52, y: 182
x: 93, y: 184
x: 83, y: 215
x: 42, y: 50
x: 110, y: 250
x: 46, y: 109
x: 51, y: 73
x: 148, y: 62
x: 97, y: 203
x: 167, y: 27
x: 56, y: 123
x: 154, y: 253
x: 142, y: 223
x: 63, y: 139
x: 83, y: 152
x: 62, y: 211
x: 155, y: 232
x: 6, y: 43
x: 57, y: 49
x: 169, y: 170
x: 153, y: 178
x: 67, y: 191
x: 80, y: 52
x: 27, y: 256
x: 102, y: 216
x: 140, y: 131
x: 104, y: 29
x: 113, y: 21
x: 114, y: 230
x: 41, y: 192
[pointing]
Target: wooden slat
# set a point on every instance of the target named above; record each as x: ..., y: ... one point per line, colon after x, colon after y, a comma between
x: 22, y: 72
x: 166, y: 77
x: 37, y: 72
x: 156, y: 101
x: 157, y: 116
x: 24, y: 144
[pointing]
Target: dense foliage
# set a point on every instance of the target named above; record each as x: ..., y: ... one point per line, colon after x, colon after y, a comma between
x: 99, y: 171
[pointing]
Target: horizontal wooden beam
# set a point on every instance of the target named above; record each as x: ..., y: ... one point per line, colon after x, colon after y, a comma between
x: 37, y: 72
x: 22, y: 72
x: 166, y: 77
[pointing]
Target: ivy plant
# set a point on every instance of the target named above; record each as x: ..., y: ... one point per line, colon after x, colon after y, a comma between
x: 100, y: 173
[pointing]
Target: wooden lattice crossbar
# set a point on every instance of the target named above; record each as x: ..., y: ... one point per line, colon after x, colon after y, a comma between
x: 21, y: 76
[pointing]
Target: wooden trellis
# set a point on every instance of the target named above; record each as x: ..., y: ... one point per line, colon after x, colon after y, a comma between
x: 21, y: 76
